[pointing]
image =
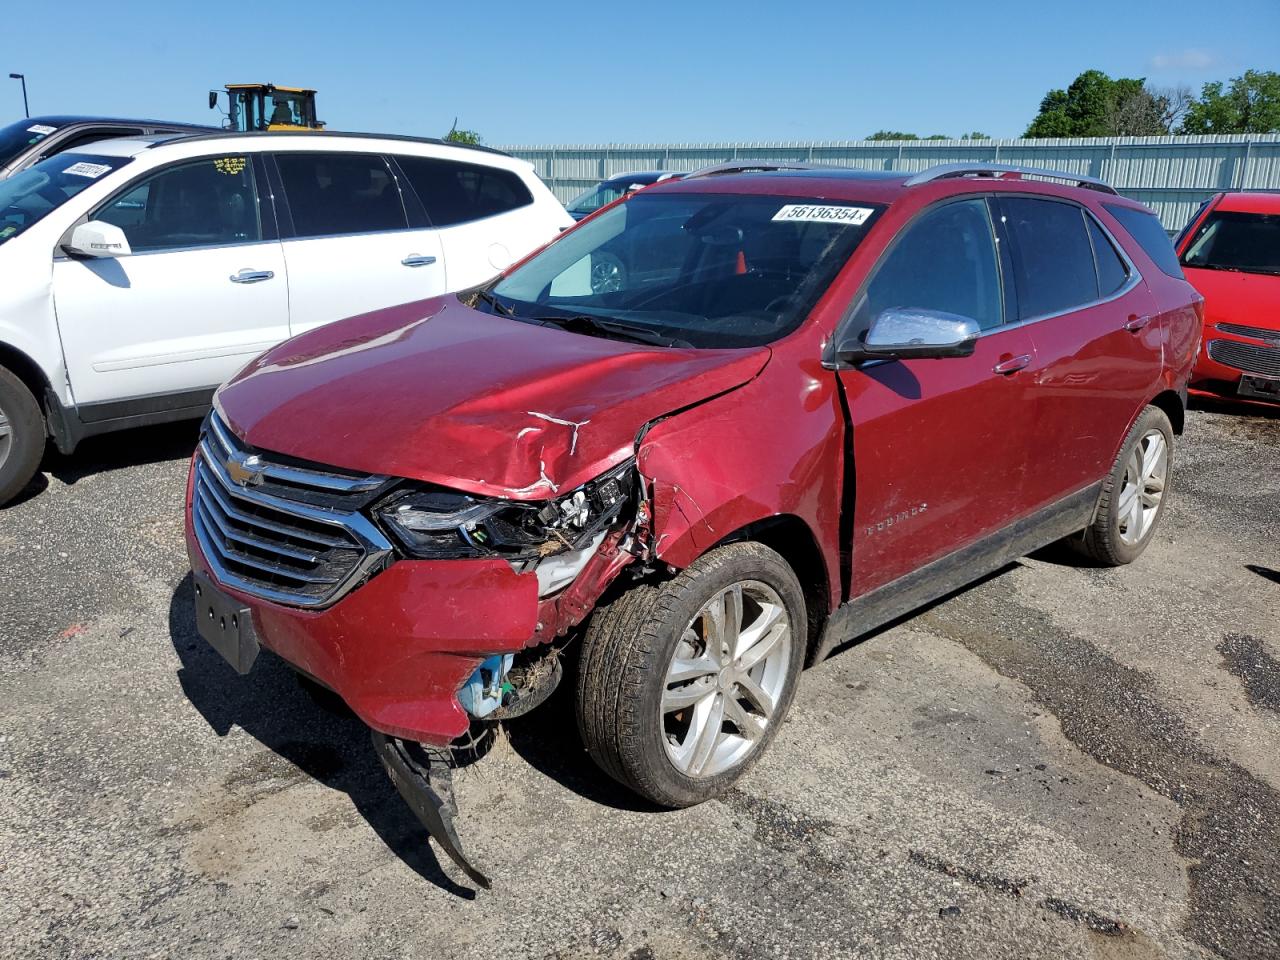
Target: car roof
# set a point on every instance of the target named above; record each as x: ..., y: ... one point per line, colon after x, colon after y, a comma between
x: 644, y: 176
x: 1245, y: 202
x: 319, y: 136
x: 834, y: 183
x: 67, y: 120
x: 885, y: 186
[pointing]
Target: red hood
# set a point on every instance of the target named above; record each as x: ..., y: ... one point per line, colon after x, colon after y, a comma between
x: 439, y: 392
x: 1251, y: 299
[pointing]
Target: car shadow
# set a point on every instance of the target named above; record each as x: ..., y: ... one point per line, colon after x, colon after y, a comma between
x: 320, y: 737
x: 1239, y: 407
x: 127, y: 448
x: 1266, y: 573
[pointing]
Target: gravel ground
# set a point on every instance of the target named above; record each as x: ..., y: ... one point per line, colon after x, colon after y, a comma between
x: 1059, y: 761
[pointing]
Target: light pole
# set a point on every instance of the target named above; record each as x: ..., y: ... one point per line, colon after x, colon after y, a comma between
x: 23, y: 78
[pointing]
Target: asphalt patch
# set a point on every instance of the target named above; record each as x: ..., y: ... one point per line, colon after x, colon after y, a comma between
x: 1246, y: 657
x: 1230, y: 828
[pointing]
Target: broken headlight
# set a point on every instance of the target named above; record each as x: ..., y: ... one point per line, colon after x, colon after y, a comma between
x: 445, y: 524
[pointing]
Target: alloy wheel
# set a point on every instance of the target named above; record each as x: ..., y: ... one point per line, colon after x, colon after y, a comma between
x: 6, y: 437
x: 1145, y: 474
x: 606, y: 275
x: 725, y: 679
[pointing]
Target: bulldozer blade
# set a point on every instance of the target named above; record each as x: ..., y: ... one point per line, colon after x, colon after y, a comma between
x: 428, y: 790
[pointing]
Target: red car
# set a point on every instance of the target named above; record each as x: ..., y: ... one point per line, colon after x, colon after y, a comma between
x: 1231, y: 253
x: 819, y: 399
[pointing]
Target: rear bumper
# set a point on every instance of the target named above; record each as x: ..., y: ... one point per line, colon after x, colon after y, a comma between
x: 398, y: 647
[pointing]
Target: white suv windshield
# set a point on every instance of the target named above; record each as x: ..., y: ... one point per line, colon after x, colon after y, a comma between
x: 28, y: 197
x: 698, y: 269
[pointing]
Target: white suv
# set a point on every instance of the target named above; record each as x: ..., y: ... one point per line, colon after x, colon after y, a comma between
x: 137, y: 275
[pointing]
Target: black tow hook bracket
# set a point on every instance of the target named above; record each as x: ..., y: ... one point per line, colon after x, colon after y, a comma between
x: 428, y: 790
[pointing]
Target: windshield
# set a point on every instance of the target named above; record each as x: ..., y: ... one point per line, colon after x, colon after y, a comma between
x: 711, y: 270
x: 595, y: 198
x: 1247, y: 242
x: 16, y: 137
x: 28, y: 197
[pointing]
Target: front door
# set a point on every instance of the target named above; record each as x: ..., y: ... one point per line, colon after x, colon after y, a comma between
x: 351, y: 249
x: 203, y: 291
x: 940, y: 447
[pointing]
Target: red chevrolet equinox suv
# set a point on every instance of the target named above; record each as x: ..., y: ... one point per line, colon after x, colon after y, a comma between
x: 811, y: 400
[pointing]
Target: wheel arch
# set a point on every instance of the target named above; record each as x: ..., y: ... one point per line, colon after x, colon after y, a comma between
x: 789, y: 536
x: 29, y: 372
x: 1171, y: 402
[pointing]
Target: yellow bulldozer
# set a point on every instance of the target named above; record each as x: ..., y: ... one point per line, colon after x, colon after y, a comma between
x: 264, y: 106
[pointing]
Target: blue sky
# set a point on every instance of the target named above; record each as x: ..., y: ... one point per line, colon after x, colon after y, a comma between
x: 602, y: 72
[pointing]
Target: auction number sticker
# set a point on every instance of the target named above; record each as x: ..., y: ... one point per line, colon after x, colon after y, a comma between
x: 91, y: 170
x: 818, y: 213
x: 41, y: 128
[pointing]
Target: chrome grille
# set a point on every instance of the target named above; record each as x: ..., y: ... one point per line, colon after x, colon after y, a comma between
x: 279, y: 530
x: 1241, y: 330
x: 1249, y: 357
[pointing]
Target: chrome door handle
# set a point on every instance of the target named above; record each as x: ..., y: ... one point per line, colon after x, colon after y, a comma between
x: 248, y: 275
x: 415, y: 260
x: 1013, y: 364
x: 1134, y: 324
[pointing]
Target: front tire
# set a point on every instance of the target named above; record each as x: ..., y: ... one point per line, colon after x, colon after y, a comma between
x: 682, y: 685
x: 1133, y: 495
x: 21, y: 436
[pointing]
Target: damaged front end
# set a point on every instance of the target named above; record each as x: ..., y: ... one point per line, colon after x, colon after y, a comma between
x: 575, y: 544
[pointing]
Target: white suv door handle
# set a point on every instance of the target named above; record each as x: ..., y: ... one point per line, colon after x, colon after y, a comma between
x: 249, y: 275
x: 416, y: 260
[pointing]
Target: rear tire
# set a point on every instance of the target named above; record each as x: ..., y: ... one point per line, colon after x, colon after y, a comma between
x: 1133, y: 495
x: 22, y: 436
x: 734, y: 622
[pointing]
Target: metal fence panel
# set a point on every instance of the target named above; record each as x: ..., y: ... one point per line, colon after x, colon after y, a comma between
x: 1172, y: 175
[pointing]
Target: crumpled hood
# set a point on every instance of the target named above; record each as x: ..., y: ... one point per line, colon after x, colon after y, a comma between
x: 436, y: 391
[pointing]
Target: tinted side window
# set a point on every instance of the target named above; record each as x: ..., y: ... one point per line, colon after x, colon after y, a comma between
x: 1112, y: 272
x: 946, y: 261
x: 210, y: 202
x: 331, y: 194
x: 1053, y: 259
x: 1151, y: 236
x: 456, y: 192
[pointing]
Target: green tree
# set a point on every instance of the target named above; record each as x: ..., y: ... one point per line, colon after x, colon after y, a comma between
x: 1251, y: 104
x: 975, y: 135
x: 1095, y: 105
x: 469, y: 137
x: 892, y: 135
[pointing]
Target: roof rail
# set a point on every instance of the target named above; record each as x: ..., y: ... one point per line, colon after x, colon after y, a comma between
x: 746, y: 166
x: 316, y: 135
x: 945, y: 171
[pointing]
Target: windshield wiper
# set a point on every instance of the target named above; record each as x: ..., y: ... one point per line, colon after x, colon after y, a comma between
x: 493, y: 301
x: 586, y: 323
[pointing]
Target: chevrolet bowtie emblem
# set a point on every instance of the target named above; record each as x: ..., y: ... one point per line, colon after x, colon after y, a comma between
x: 246, y: 472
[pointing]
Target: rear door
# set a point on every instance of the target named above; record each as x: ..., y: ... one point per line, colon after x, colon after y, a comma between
x: 485, y: 215
x: 203, y: 291
x: 348, y: 241
x: 1098, y: 345
x: 939, y: 446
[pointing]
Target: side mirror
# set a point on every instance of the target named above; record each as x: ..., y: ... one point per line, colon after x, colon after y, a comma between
x: 213, y: 99
x: 904, y: 333
x: 98, y: 239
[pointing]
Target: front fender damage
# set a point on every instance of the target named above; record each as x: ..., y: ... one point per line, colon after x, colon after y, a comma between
x: 630, y: 545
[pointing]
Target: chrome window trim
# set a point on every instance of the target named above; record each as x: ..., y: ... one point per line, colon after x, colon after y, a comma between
x: 1135, y: 276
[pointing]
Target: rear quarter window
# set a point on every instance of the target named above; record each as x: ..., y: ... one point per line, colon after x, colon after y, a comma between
x: 1146, y: 229
x: 454, y: 192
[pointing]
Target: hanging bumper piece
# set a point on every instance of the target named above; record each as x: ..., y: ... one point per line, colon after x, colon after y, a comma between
x: 427, y: 787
